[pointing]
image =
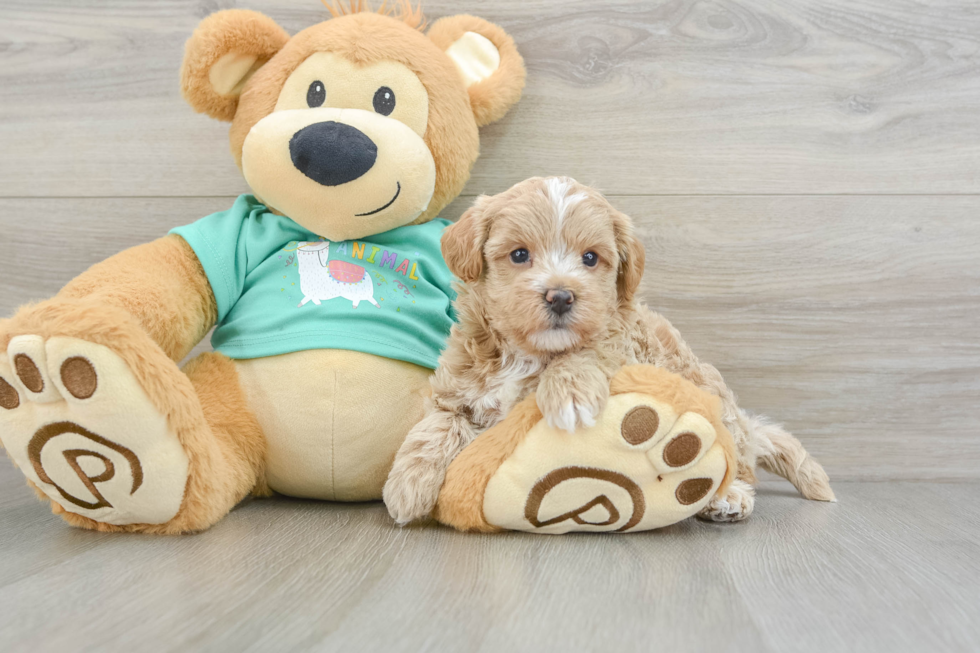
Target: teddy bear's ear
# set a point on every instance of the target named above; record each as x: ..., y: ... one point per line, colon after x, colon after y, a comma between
x: 222, y: 54
x: 487, y: 60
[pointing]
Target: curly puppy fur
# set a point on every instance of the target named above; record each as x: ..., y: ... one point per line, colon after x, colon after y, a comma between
x: 550, y: 271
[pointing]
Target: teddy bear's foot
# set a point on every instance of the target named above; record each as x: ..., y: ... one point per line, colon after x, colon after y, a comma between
x: 657, y: 454
x: 641, y: 466
x: 77, y: 423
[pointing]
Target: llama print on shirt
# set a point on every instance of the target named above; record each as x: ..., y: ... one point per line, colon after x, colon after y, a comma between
x: 321, y: 279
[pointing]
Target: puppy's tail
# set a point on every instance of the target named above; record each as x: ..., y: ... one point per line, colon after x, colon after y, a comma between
x: 782, y: 454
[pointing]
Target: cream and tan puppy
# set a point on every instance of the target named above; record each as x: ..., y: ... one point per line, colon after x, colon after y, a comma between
x: 547, y: 305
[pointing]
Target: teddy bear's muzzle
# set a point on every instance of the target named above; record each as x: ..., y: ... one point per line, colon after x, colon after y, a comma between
x: 341, y: 173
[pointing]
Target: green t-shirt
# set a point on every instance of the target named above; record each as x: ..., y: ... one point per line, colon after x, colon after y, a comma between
x: 280, y: 288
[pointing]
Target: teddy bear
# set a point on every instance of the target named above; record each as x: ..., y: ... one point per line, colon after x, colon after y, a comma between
x: 328, y: 295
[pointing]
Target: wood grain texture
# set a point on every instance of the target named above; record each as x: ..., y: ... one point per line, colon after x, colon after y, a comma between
x: 892, y: 567
x: 852, y: 320
x: 669, y: 96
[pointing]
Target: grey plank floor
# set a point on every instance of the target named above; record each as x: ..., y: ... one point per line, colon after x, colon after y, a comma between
x: 891, y: 567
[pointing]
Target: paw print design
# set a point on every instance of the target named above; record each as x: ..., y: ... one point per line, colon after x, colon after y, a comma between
x: 79, y: 426
x: 657, y: 454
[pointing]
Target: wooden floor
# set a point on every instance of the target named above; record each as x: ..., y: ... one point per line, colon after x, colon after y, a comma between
x: 892, y: 567
x: 806, y: 177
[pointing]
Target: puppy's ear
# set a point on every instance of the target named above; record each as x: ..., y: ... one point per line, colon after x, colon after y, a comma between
x: 223, y: 53
x: 462, y: 243
x: 487, y: 61
x: 632, y: 258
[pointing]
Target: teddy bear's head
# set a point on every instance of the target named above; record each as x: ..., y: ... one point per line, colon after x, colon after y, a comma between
x: 361, y: 123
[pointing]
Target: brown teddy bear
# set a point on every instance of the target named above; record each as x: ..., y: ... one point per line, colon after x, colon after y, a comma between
x: 360, y: 129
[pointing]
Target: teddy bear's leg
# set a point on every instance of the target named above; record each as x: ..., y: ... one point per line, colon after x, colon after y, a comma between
x: 96, y: 413
x: 118, y: 446
x: 237, y: 443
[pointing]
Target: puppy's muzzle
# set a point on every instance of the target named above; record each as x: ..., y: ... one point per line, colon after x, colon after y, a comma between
x: 332, y: 153
x: 559, y: 301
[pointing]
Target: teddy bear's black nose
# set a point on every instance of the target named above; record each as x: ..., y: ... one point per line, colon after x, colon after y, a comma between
x: 332, y: 153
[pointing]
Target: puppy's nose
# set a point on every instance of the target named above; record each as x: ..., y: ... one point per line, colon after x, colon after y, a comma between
x: 332, y: 153
x: 559, y: 300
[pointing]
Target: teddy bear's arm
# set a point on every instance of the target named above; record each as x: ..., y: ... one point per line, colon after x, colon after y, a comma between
x: 161, y: 284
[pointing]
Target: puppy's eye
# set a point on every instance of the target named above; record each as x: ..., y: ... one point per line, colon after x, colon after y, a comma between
x: 316, y: 95
x: 384, y: 101
x: 589, y: 259
x: 519, y: 255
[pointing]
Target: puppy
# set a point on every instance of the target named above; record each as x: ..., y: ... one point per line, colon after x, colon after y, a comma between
x: 550, y: 271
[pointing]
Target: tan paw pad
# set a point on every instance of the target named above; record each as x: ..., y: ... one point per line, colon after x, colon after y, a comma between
x: 682, y: 443
x: 29, y: 362
x: 640, y: 425
x: 79, y: 377
x: 9, y: 398
x: 693, y: 490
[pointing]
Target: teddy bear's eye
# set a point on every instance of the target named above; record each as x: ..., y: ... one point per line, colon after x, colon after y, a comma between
x: 316, y: 95
x: 384, y: 101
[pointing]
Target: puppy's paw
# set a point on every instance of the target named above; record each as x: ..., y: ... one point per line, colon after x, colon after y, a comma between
x: 411, y: 491
x: 736, y: 505
x: 566, y: 405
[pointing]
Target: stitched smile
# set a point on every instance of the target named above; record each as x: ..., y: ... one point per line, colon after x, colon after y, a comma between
x: 397, y: 192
